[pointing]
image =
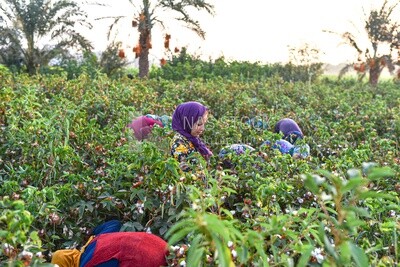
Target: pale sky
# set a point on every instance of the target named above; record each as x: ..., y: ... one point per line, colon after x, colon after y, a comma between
x: 251, y: 30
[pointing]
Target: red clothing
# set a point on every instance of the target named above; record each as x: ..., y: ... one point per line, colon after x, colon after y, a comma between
x: 131, y: 249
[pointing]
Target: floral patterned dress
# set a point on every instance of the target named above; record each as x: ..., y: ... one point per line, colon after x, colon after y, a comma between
x: 182, y: 149
x: 185, y: 152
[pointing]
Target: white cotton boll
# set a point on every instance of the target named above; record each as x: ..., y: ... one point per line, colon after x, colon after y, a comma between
x: 325, y: 196
x: 7, y: 246
x: 320, y: 258
x: 27, y: 254
x: 354, y: 173
x: 318, y: 179
x: 317, y: 253
x: 175, y: 248
x: 234, y: 253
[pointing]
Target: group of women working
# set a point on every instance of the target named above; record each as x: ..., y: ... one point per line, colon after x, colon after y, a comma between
x: 188, y: 123
x: 110, y: 248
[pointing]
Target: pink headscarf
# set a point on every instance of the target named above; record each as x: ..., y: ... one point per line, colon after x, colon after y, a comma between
x: 142, y: 126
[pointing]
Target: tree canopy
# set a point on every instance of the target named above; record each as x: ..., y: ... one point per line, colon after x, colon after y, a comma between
x: 383, y: 50
x: 34, y: 32
x: 148, y: 14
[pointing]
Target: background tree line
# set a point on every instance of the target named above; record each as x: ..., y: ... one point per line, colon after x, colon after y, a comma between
x: 38, y: 35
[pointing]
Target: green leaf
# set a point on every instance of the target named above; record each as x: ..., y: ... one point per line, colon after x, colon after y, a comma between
x: 311, y: 184
x: 243, y: 253
x: 216, y: 226
x: 345, y: 251
x: 256, y: 240
x: 359, y: 256
x: 358, y: 210
x: 179, y: 230
x: 351, y: 184
x: 327, y: 244
x: 195, y: 252
x: 374, y: 249
x: 3, y: 233
x: 377, y: 173
x: 163, y: 230
x: 34, y: 236
x: 224, y: 254
x: 305, y: 255
x: 227, y: 213
x: 374, y: 194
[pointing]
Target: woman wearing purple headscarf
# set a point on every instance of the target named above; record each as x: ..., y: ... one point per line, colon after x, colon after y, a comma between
x: 188, y: 122
x: 291, y: 133
x: 290, y: 130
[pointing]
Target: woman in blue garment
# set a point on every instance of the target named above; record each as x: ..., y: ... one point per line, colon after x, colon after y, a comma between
x: 291, y: 133
x: 225, y: 154
x: 289, y: 129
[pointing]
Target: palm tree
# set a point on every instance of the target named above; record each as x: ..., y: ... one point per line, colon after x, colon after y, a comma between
x: 33, y: 32
x: 146, y: 17
x: 382, y: 32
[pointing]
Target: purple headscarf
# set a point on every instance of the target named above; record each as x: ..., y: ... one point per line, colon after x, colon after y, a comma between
x: 183, y: 119
x: 287, y: 127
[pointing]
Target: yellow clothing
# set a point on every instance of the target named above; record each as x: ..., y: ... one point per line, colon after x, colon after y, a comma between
x: 69, y: 257
x: 181, y: 147
x: 66, y: 258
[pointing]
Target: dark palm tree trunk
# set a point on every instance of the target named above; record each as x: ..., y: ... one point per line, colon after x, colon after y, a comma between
x: 374, y: 73
x: 144, y: 54
x: 30, y: 58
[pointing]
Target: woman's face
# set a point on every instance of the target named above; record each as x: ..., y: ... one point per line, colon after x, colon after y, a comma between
x: 198, y: 127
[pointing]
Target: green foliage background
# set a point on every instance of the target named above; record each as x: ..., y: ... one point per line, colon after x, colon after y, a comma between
x: 65, y: 153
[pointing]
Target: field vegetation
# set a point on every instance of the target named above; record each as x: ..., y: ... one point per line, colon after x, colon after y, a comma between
x: 68, y: 163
